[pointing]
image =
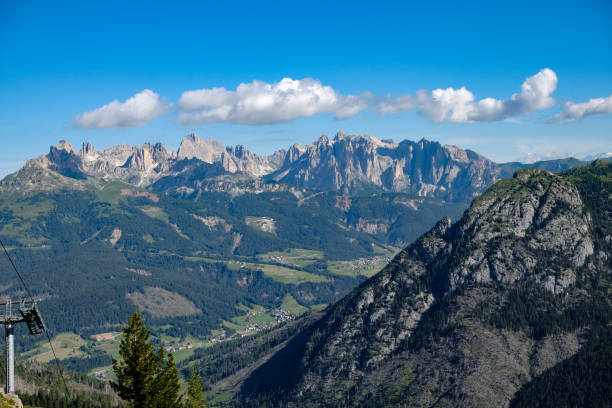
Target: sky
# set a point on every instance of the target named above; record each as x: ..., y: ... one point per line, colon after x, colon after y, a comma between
x: 518, y: 80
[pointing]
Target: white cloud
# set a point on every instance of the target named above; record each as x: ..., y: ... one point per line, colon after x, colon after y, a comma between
x: 258, y: 103
x: 135, y: 111
x: 577, y: 111
x: 535, y: 149
x: 591, y: 157
x: 458, y: 106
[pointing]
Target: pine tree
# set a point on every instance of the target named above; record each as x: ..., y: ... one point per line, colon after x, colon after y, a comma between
x: 195, y: 394
x: 166, y: 384
x: 145, y: 379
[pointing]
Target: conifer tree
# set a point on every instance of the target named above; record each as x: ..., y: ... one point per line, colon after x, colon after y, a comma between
x: 166, y: 384
x: 145, y: 379
x: 195, y: 394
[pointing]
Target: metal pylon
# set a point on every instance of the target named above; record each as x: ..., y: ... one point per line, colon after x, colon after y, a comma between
x: 32, y: 318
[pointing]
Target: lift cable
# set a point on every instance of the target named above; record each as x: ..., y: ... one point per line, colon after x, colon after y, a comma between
x: 17, y: 272
x: 59, y: 368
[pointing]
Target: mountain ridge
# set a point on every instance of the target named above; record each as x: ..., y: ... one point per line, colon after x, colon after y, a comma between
x: 349, y: 164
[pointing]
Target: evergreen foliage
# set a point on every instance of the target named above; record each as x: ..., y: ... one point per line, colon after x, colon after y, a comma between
x: 57, y: 399
x: 195, y: 393
x: 538, y: 312
x: 144, y: 379
x: 226, y: 358
x: 166, y: 385
x: 583, y: 380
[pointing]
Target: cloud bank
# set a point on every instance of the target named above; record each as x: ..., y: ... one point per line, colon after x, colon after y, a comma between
x: 259, y: 103
x: 459, y: 106
x: 135, y: 111
x: 577, y: 111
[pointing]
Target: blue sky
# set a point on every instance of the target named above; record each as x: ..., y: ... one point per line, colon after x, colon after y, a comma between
x: 374, y: 67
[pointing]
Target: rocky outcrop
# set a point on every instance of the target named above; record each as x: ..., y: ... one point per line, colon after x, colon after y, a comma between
x: 137, y: 165
x: 209, y: 150
x: 64, y: 160
x: 509, y: 228
x: 232, y: 159
x: 141, y: 159
x: 88, y: 153
x: 10, y: 400
x: 354, y: 163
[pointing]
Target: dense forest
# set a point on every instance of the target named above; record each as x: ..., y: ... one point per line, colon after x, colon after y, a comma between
x: 224, y: 359
x: 582, y: 380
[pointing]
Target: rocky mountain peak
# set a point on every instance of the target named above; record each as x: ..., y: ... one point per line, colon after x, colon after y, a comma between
x: 323, y: 141
x: 545, y: 213
x: 233, y: 159
x: 209, y: 150
x: 64, y: 160
x: 522, y: 256
x: 348, y: 163
x: 442, y: 226
x: 352, y: 162
x: 140, y: 159
x: 161, y: 154
x: 239, y: 151
x: 62, y: 152
x: 192, y: 137
x: 277, y: 158
x: 87, y: 149
x: 340, y: 135
x: 65, y: 146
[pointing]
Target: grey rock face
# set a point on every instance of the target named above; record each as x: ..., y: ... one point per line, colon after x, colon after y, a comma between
x: 233, y: 159
x: 349, y: 163
x: 138, y: 165
x: 509, y: 228
x: 209, y: 150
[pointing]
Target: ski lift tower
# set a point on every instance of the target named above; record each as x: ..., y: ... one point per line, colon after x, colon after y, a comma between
x: 29, y: 314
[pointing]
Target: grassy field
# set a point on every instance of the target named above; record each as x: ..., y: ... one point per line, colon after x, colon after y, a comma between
x: 69, y: 345
x: 110, y: 346
x: 353, y: 269
x: 25, y: 208
x: 219, y: 399
x: 364, y: 266
x: 387, y: 250
x: 279, y: 273
x: 254, y: 315
x: 162, y: 303
x: 66, y: 345
x: 111, y: 192
x: 293, y: 257
x: 156, y: 213
x: 24, y: 212
x: 22, y: 231
x: 286, y: 275
x: 292, y: 306
x: 200, y: 259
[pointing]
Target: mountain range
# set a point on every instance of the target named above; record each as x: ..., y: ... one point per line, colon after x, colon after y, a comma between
x: 349, y: 164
